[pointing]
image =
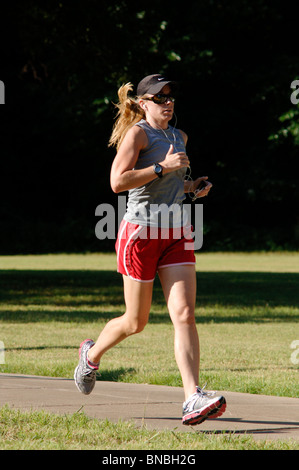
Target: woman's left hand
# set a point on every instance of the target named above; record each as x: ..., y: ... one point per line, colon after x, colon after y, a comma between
x: 201, y: 192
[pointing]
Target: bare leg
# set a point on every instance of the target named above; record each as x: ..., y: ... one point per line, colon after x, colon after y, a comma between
x: 138, y: 298
x: 179, y: 287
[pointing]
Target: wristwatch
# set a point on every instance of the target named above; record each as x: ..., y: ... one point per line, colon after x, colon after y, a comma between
x: 158, y: 170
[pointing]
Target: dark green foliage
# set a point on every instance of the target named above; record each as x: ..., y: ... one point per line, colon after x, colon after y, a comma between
x: 62, y: 62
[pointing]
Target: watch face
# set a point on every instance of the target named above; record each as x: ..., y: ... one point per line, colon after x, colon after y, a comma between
x: 158, y: 170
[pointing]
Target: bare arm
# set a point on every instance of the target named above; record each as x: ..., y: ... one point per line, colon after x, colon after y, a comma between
x: 123, y: 177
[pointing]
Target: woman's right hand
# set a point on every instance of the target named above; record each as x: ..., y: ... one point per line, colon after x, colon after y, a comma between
x: 174, y: 161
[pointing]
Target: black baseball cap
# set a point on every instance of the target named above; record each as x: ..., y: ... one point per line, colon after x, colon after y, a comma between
x: 152, y: 84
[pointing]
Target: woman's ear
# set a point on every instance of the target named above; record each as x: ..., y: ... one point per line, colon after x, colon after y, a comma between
x: 142, y: 105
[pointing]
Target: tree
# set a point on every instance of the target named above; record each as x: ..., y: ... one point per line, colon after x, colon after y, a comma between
x: 62, y: 64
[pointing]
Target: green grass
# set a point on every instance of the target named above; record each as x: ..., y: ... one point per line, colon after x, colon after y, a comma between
x: 41, y: 430
x: 247, y: 316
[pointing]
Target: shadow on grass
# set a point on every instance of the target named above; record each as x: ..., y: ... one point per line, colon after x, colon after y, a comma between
x: 115, y: 375
x: 79, y: 296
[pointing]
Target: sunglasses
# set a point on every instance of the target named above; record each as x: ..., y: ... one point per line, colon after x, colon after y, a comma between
x: 160, y: 98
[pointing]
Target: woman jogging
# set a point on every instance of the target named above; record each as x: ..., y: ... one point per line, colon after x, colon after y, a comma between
x: 151, y: 164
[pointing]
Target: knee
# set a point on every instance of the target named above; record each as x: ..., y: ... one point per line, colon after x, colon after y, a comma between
x: 185, y: 316
x: 135, y: 326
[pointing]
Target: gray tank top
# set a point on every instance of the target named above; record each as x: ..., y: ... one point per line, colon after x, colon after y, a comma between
x: 159, y: 202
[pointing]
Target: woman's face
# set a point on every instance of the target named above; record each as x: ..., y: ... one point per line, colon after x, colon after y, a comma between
x: 159, y: 112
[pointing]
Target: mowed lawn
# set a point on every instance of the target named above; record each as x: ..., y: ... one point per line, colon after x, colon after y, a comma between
x: 247, y: 315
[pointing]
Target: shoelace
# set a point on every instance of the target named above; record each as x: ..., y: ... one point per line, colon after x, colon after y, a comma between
x: 88, y: 375
x: 201, y: 391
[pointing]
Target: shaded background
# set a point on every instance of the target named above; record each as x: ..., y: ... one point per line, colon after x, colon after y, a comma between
x: 62, y: 63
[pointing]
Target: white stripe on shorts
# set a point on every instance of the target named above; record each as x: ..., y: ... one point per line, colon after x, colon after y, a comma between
x: 120, y: 238
x: 138, y: 229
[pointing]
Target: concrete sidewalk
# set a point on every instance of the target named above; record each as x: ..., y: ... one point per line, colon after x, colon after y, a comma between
x: 154, y: 406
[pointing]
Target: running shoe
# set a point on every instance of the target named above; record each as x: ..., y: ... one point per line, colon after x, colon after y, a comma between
x: 201, y: 406
x: 85, y: 372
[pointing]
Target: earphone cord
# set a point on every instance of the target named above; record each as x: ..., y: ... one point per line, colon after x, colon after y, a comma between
x: 187, y: 176
x: 173, y: 134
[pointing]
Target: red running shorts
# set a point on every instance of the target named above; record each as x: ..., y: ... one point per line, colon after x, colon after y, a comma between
x: 142, y: 250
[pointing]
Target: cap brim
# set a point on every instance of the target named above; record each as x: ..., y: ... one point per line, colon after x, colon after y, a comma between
x: 158, y: 87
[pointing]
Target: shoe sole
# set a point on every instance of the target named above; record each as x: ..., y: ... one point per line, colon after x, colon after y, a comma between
x: 218, y: 412
x: 212, y: 412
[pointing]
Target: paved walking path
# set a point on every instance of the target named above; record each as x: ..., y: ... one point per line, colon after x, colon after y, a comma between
x: 154, y: 406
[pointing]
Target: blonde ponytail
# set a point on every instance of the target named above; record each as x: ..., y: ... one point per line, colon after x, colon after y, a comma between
x: 129, y: 113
